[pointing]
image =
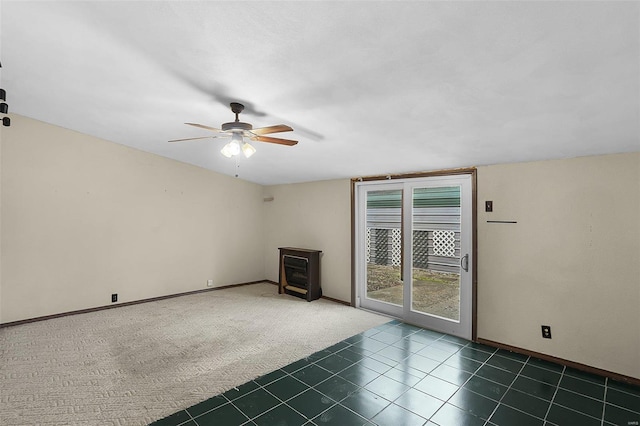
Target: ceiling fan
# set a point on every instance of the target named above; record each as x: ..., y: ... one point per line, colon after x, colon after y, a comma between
x: 237, y: 131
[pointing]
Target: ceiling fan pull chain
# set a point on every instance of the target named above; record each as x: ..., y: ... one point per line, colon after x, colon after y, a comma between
x: 237, y: 166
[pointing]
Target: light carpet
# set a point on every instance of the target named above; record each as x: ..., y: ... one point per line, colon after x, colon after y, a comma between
x: 136, y: 364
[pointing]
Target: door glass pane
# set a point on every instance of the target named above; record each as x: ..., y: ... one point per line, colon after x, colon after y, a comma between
x: 435, y: 288
x: 383, y: 248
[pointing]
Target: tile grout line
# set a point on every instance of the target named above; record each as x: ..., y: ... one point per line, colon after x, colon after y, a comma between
x: 391, y: 402
x: 236, y: 407
x: 337, y: 403
x: 622, y: 407
x: 311, y: 388
x: 458, y: 386
x: 187, y: 421
x: 555, y: 393
x: 426, y: 374
x: 208, y: 411
x: 263, y: 387
x: 558, y: 387
x: 495, y: 350
x: 604, y: 399
x: 566, y: 390
x: 282, y: 402
x: 191, y: 418
x: 624, y: 391
x: 508, y: 389
x: 482, y: 364
x: 441, y: 339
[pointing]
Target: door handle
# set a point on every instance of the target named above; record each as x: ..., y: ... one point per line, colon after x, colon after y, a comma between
x: 464, y: 262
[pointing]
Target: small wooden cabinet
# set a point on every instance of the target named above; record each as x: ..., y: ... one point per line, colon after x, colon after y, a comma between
x: 300, y: 273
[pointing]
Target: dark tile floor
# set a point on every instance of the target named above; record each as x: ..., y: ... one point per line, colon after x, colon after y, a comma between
x: 400, y: 375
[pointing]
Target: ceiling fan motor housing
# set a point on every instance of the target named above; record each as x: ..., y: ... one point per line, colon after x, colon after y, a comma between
x: 236, y: 125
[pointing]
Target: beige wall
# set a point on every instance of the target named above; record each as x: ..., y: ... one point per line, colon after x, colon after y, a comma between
x: 83, y: 218
x: 1, y: 132
x: 314, y: 215
x: 572, y: 261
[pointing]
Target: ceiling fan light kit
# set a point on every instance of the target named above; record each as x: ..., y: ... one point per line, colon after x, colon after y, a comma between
x: 238, y: 131
x: 248, y: 150
x: 236, y: 145
x: 229, y: 150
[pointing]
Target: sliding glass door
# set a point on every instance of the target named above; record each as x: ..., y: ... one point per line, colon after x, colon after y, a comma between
x: 413, y: 251
x: 383, y: 286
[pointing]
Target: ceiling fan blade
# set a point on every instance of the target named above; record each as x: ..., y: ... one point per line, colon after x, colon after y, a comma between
x: 191, y: 139
x: 272, y: 129
x: 279, y: 141
x: 202, y: 126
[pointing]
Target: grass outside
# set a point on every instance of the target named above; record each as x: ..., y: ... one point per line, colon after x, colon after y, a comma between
x: 436, y: 293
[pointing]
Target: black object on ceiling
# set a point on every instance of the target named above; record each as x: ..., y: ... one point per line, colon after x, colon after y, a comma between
x: 4, y: 108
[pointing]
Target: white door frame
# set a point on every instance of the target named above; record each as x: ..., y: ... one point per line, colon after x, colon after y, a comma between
x: 464, y: 327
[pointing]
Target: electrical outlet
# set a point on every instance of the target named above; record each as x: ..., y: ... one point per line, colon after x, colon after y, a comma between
x: 488, y: 206
x: 209, y: 283
x: 546, y: 331
x: 114, y: 297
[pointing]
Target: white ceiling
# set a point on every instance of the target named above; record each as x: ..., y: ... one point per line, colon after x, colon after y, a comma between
x: 369, y: 87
